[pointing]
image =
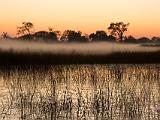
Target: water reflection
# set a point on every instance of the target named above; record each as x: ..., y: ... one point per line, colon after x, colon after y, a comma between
x: 77, y: 92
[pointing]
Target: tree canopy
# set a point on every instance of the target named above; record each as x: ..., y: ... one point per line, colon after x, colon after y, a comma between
x: 25, y: 29
x: 98, y: 36
x: 117, y: 29
x: 73, y: 36
x: 5, y: 35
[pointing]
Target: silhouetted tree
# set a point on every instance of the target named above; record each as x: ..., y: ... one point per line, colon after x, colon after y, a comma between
x: 5, y: 35
x: 50, y: 29
x: 130, y: 39
x: 45, y: 36
x: 101, y: 36
x: 144, y: 40
x: 117, y: 29
x: 64, y: 36
x: 58, y: 33
x: 52, y: 36
x: 98, y: 36
x: 40, y: 35
x: 25, y: 30
x: 92, y: 36
x: 156, y: 39
x: 111, y: 38
x: 73, y: 36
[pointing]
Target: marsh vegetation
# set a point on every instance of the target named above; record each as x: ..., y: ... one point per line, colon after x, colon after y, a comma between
x: 80, y: 92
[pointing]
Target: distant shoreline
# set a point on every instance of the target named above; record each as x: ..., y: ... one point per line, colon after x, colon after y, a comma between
x: 33, y: 58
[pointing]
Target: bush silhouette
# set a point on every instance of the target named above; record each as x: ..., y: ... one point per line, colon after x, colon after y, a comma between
x: 73, y: 36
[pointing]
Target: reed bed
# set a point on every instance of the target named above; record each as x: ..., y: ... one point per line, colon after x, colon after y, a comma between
x: 83, y: 92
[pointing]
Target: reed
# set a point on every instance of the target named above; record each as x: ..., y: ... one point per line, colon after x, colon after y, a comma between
x: 83, y: 91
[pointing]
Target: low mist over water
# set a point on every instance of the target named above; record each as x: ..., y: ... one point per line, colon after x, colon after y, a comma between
x: 69, y: 48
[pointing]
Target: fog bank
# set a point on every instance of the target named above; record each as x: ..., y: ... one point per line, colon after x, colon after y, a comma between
x: 70, y: 48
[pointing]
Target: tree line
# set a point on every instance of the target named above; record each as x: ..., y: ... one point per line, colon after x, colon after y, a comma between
x: 26, y: 32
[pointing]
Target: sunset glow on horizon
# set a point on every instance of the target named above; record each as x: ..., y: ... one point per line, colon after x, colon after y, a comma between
x: 84, y: 15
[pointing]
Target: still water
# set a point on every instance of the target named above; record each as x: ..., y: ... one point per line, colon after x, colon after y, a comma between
x: 80, y: 92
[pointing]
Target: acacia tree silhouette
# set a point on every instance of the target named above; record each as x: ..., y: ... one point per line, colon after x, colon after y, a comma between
x: 25, y: 29
x: 117, y: 29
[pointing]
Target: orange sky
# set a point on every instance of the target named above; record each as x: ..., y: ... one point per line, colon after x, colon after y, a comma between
x: 85, y: 15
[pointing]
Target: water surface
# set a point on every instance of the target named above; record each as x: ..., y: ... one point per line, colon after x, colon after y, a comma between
x: 80, y: 92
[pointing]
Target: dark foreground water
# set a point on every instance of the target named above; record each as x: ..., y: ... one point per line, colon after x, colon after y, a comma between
x: 80, y: 92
